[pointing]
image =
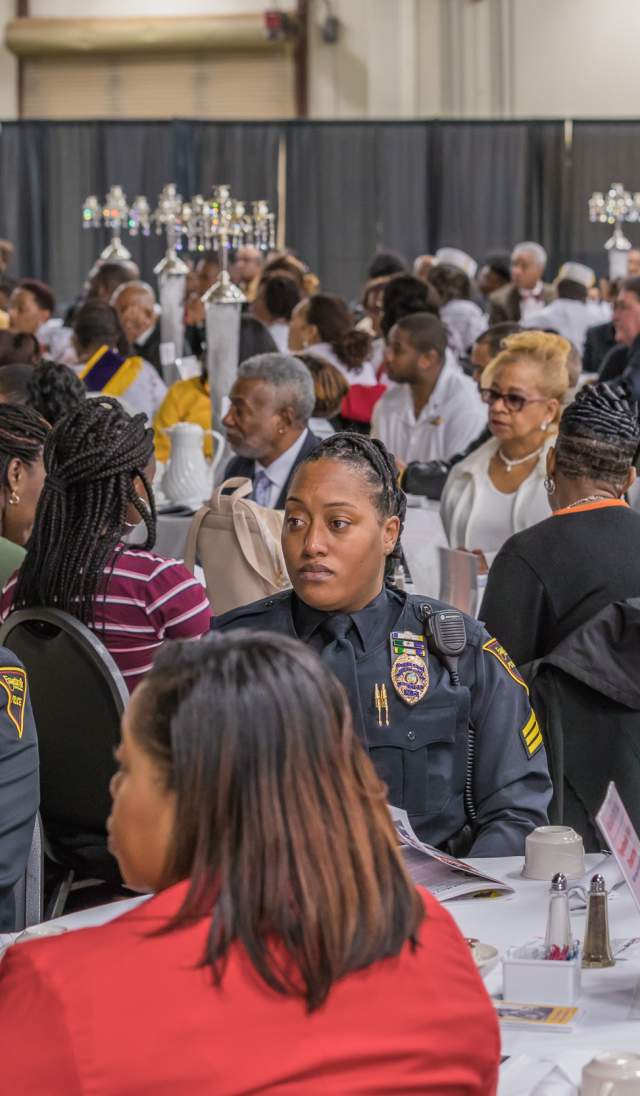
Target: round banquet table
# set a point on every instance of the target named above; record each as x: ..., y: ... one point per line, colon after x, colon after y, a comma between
x: 537, y: 1063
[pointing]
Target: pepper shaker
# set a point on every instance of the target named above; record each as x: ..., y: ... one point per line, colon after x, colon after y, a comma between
x: 597, y: 945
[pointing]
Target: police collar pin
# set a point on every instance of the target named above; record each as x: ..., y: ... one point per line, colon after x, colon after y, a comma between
x: 409, y: 670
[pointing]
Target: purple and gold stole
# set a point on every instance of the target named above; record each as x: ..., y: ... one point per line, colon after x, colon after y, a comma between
x: 110, y: 373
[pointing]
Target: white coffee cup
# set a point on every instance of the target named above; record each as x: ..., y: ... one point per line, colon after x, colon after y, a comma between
x: 550, y: 849
x: 615, y: 1074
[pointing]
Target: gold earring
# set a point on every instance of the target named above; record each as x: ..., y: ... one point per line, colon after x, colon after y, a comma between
x: 14, y: 499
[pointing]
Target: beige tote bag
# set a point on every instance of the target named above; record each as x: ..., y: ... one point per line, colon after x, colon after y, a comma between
x: 237, y: 544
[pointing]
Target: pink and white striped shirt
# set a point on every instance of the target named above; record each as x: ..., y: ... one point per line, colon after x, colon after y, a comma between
x: 148, y: 599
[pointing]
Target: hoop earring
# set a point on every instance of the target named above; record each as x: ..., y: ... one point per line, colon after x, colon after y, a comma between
x: 14, y: 499
x: 549, y: 484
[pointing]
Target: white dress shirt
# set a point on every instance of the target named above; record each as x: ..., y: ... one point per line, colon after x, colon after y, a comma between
x: 279, y: 469
x: 531, y: 300
x: 465, y: 321
x: 452, y: 417
x: 279, y: 332
x: 366, y: 375
x: 569, y: 318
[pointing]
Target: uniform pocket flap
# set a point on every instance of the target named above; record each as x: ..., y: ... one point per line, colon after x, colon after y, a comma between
x: 426, y: 725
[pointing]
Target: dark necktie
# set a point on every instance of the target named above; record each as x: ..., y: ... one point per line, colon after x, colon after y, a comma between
x: 339, y: 657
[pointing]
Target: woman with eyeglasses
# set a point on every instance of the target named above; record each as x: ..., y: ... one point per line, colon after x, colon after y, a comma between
x: 549, y: 580
x: 286, y: 949
x: 499, y: 489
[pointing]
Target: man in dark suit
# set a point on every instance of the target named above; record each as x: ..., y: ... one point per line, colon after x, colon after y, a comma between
x: 135, y: 303
x: 623, y: 361
x: 526, y: 292
x: 272, y: 400
x: 599, y: 340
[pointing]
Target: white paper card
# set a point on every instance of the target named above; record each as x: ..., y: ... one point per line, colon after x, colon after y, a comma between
x: 617, y: 830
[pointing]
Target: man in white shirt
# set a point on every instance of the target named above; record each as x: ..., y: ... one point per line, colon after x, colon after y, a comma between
x: 434, y: 410
x: 571, y: 314
x: 271, y: 402
x: 526, y: 293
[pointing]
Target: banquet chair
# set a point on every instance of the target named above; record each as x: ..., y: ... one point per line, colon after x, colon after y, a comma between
x: 78, y: 695
x: 28, y: 892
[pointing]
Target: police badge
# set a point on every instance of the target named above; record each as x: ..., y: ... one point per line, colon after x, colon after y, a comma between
x: 409, y: 671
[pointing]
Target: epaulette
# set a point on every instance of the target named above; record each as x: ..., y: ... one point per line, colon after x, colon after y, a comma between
x: 254, y: 608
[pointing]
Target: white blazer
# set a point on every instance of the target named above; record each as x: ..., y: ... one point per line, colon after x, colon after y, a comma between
x: 460, y: 495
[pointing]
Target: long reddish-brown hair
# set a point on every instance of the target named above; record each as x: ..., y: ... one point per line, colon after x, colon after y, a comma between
x: 281, y: 823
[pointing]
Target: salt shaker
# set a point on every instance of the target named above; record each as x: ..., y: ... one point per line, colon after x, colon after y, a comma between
x: 558, y: 939
x: 597, y: 945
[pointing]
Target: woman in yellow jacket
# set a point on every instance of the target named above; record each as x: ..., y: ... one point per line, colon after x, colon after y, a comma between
x: 190, y: 401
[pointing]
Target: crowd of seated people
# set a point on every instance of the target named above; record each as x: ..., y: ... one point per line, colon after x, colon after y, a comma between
x: 250, y: 757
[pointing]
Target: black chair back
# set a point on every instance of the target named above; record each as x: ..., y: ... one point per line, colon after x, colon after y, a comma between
x: 78, y: 695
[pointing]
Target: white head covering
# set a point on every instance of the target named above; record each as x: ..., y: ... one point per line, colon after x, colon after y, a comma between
x: 454, y: 257
x: 577, y: 272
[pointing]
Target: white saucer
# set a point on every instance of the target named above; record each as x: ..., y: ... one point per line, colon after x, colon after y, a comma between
x: 483, y: 954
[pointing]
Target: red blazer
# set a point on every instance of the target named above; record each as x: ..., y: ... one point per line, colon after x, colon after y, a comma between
x: 114, y: 1011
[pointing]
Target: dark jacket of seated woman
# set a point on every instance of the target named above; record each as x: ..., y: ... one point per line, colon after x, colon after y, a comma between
x: 552, y: 578
x: 286, y: 949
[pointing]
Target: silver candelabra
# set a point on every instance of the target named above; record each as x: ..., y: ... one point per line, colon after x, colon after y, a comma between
x: 113, y: 213
x: 615, y: 208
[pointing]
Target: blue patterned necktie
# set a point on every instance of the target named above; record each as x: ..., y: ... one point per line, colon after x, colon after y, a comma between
x: 261, y: 488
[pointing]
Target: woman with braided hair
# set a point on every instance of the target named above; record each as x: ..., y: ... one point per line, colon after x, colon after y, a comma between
x: 410, y: 705
x: 553, y: 577
x: 99, y: 466
x: 22, y: 435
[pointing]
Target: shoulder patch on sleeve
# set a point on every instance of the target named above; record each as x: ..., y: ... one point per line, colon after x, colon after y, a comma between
x: 531, y: 735
x: 494, y: 648
x: 13, y: 679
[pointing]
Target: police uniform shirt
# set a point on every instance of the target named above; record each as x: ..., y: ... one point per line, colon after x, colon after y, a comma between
x: 19, y: 780
x: 421, y: 754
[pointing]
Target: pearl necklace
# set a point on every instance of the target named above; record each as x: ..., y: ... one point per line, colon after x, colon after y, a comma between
x: 585, y: 501
x: 509, y: 464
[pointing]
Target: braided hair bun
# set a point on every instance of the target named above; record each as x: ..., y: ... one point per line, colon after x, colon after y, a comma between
x: 374, y: 461
x: 604, y: 412
x: 599, y: 435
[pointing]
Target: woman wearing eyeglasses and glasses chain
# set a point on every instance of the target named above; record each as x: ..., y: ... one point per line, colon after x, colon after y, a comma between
x: 499, y: 489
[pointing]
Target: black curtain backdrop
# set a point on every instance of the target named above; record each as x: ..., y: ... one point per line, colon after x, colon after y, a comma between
x: 47, y: 169
x: 351, y: 187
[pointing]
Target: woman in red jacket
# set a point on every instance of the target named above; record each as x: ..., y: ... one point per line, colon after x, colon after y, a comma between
x: 286, y: 949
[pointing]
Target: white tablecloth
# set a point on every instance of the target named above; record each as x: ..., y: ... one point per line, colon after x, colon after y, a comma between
x: 423, y: 535
x: 611, y: 1013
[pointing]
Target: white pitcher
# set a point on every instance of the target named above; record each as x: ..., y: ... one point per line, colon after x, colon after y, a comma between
x: 188, y: 477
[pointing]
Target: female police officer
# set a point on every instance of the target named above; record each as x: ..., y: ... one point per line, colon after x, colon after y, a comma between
x: 447, y: 722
